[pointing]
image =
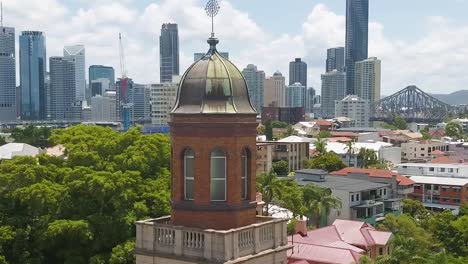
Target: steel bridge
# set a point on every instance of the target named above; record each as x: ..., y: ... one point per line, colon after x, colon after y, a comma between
x: 413, y: 105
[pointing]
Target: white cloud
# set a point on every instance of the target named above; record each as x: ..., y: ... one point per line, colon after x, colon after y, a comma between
x: 436, y: 62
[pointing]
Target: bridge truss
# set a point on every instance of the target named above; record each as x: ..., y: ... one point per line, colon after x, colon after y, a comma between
x: 413, y: 105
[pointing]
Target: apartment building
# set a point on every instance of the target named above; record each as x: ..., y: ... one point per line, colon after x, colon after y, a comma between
x: 455, y: 170
x: 264, y: 161
x: 421, y: 150
x: 362, y: 200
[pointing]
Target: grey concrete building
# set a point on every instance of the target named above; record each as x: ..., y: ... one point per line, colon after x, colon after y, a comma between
x: 7, y: 74
x: 63, y: 103
x: 333, y: 88
x: 77, y: 54
x: 169, y: 52
x: 354, y: 108
x: 357, y: 28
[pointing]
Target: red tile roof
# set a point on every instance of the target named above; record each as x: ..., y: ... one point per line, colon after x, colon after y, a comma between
x: 339, y: 139
x: 345, y: 241
x: 402, y: 180
x: 443, y: 160
x: 323, y: 122
x: 344, y: 134
x: 437, y: 152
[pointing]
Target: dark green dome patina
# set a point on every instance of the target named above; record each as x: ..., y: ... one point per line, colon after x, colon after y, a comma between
x: 213, y: 85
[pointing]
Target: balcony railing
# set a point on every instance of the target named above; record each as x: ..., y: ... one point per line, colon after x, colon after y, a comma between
x: 159, y: 237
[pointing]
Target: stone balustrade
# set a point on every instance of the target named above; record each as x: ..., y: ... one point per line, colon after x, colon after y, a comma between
x: 159, y: 237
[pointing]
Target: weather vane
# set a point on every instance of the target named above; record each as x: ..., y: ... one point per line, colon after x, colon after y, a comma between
x: 212, y: 9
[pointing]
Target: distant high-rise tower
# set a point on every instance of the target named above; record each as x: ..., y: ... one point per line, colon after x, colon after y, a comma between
x: 99, y: 71
x: 333, y: 88
x: 77, y: 55
x: 298, y: 74
x: 367, y: 79
x: 357, y: 27
x: 7, y: 74
x: 335, y: 59
x: 256, y: 84
x: 169, y: 52
x: 275, y: 91
x: 32, y: 75
x: 62, y: 90
x: 309, y: 108
x: 295, y: 95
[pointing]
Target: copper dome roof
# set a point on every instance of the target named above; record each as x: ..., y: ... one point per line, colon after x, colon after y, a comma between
x: 213, y: 85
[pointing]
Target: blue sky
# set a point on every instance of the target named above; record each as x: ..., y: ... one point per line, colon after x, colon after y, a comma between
x: 421, y: 42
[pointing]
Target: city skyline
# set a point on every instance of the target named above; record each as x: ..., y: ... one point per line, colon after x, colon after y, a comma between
x: 400, y: 51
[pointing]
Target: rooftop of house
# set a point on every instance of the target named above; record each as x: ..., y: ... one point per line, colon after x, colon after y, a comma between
x: 402, y: 180
x: 437, y: 152
x: 296, y: 139
x: 8, y: 151
x: 443, y: 160
x: 432, y: 164
x: 337, y: 183
x: 440, y: 180
x: 345, y: 241
x: 341, y: 148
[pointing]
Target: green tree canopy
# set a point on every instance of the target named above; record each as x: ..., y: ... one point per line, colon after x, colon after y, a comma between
x: 35, y: 136
x: 328, y: 161
x: 281, y: 168
x: 454, y: 130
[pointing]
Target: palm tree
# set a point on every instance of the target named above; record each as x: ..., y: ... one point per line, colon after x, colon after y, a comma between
x: 367, y: 157
x: 349, y: 150
x: 271, y: 187
x: 318, y: 201
x: 320, y: 146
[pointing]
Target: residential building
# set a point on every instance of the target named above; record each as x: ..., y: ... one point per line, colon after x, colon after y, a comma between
x: 63, y: 102
x: 256, y: 84
x: 357, y: 29
x: 163, y: 98
x: 463, y: 122
x: 453, y: 170
x: 213, y: 198
x: 296, y: 94
x: 264, y: 162
x: 354, y: 108
x: 11, y: 150
x: 333, y: 88
x: 312, y: 128
x: 440, y: 193
x: 362, y: 200
x: 335, y: 59
x: 294, y: 150
x: 104, y: 107
x: 290, y: 115
x: 7, y: 74
x: 367, y: 79
x: 344, y: 241
x: 197, y: 56
x: 421, y: 150
x: 33, y: 64
x: 385, y: 152
x: 275, y: 91
x: 401, y: 186
x: 169, y: 52
x: 77, y: 54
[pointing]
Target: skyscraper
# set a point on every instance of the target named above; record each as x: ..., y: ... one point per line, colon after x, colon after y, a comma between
x: 255, y: 84
x: 335, y: 59
x: 7, y: 74
x: 32, y: 75
x: 295, y: 95
x: 63, y: 90
x: 333, y: 88
x: 367, y: 79
x: 100, y: 71
x: 169, y: 52
x: 357, y: 26
x: 309, y: 108
x: 77, y: 55
x: 298, y: 74
x: 275, y: 91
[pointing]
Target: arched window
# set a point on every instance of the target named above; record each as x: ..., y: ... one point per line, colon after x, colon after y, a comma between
x: 218, y: 175
x: 188, y: 174
x: 244, y: 175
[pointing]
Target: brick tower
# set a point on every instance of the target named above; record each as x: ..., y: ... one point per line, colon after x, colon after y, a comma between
x: 213, y: 198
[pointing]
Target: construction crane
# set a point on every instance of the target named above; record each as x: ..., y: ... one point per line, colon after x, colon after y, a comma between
x: 124, y: 100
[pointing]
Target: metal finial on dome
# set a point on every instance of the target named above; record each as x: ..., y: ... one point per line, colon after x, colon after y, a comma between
x: 212, y: 9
